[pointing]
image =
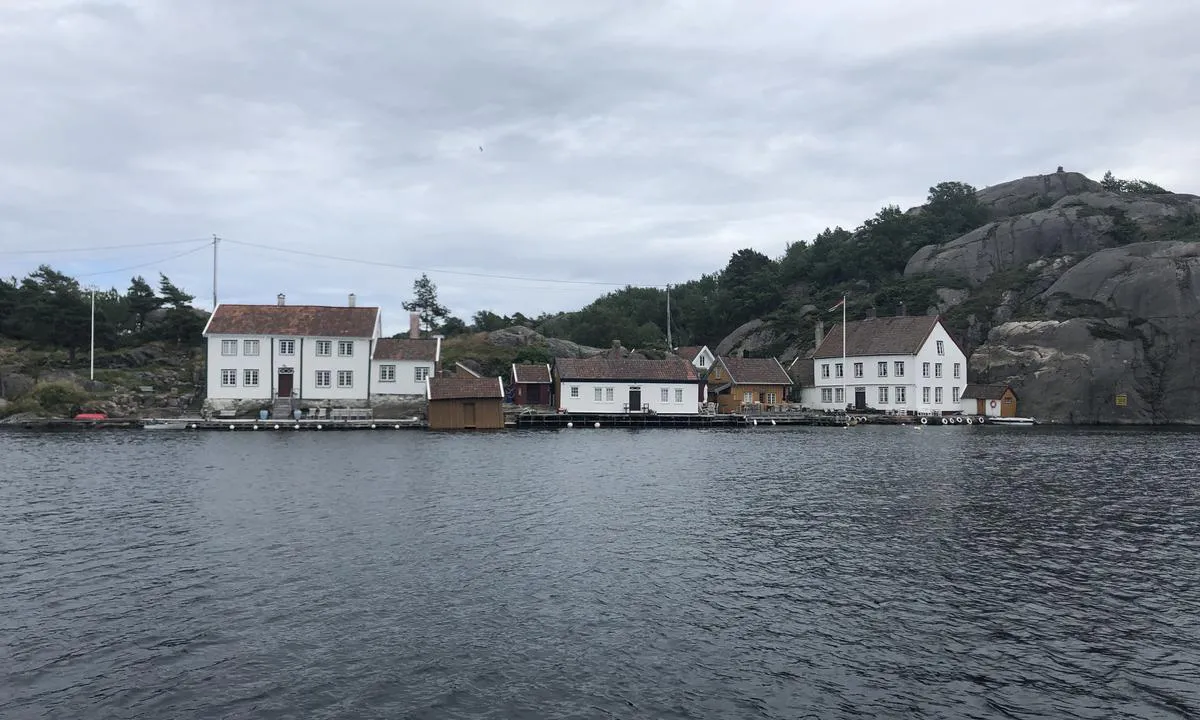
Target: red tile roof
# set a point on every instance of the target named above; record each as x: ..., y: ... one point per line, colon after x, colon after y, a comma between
x: 406, y: 349
x: 803, y: 372
x: 755, y: 371
x: 297, y: 320
x: 463, y: 388
x: 674, y: 369
x: 531, y: 373
x: 689, y: 352
x: 881, y: 336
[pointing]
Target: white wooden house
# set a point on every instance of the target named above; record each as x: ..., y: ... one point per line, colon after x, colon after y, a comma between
x: 624, y: 385
x: 315, y: 354
x: 902, y: 364
x: 400, y: 366
x: 699, y: 356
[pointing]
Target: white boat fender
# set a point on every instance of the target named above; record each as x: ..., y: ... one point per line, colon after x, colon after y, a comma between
x: 959, y: 419
x: 981, y: 420
x: 969, y: 421
x: 596, y: 425
x: 755, y: 423
x: 570, y: 424
x: 772, y: 421
x: 945, y: 421
x: 924, y: 421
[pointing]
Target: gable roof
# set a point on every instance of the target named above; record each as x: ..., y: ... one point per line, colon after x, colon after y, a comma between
x: 459, y: 367
x: 674, y: 369
x: 803, y: 371
x: 985, y: 392
x: 879, y: 336
x: 297, y: 320
x: 463, y: 388
x: 755, y: 371
x: 408, y: 349
x: 531, y: 373
x: 690, y: 352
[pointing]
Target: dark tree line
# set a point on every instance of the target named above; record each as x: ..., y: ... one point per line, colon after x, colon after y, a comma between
x: 50, y: 309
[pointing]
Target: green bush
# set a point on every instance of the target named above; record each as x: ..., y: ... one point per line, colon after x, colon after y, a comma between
x: 24, y: 405
x: 59, y: 398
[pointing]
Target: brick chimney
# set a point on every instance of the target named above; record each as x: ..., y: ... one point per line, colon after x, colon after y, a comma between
x: 281, y: 299
x: 414, y: 325
x: 352, y: 300
x: 819, y: 333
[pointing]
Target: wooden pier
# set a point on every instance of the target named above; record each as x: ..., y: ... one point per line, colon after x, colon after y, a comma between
x: 627, y: 420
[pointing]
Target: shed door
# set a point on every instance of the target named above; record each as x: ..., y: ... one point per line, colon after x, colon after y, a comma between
x: 469, y: 414
x: 635, y: 399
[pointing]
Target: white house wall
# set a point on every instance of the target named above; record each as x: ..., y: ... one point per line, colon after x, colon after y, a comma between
x: 912, y: 382
x: 304, y: 363
x: 406, y: 383
x: 704, y: 359
x: 651, y: 396
x: 239, y: 362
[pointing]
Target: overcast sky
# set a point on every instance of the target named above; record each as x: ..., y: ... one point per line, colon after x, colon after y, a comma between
x: 623, y: 141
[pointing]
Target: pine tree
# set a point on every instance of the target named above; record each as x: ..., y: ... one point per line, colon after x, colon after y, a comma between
x: 425, y: 303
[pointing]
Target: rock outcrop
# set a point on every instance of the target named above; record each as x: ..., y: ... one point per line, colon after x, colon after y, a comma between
x: 750, y: 338
x: 521, y: 336
x: 1036, y: 192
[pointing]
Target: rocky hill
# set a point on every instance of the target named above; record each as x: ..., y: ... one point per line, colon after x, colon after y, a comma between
x: 1075, y: 292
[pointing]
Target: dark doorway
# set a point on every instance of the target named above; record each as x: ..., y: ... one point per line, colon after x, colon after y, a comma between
x: 860, y: 399
x: 635, y: 399
x: 285, y: 384
x: 468, y: 415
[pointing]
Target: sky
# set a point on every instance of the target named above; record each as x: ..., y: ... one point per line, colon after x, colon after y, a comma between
x: 567, y: 148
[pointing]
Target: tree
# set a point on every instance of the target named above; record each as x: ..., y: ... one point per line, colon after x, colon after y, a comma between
x: 425, y: 303
x: 181, y: 324
x: 749, y: 285
x: 487, y: 321
x: 172, y: 295
x: 141, y: 301
x: 454, y: 326
x: 952, y: 209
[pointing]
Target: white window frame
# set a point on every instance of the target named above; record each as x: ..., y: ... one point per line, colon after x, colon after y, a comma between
x: 228, y: 377
x: 250, y: 348
x: 598, y: 394
x: 883, y: 394
x: 925, y: 395
x: 937, y: 370
x: 678, y: 395
x: 345, y: 379
x: 924, y: 369
x: 229, y: 348
x: 839, y: 395
x: 345, y: 348
x: 824, y: 370
x: 937, y: 395
x: 941, y: 347
x: 881, y: 368
x: 957, y: 370
x: 664, y: 394
x: 327, y: 375
x: 898, y: 368
x: 701, y: 361
x: 954, y: 394
x: 858, y: 369
x: 324, y: 348
x: 287, y: 347
x: 771, y: 398
x: 747, y: 398
x: 420, y: 373
x: 609, y: 394
x: 839, y: 370
x: 387, y: 373
x: 250, y: 377
x: 575, y: 391
x: 901, y: 395
x: 827, y: 395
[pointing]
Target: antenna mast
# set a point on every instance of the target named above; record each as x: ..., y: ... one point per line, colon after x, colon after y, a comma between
x: 216, y: 241
x: 670, y: 346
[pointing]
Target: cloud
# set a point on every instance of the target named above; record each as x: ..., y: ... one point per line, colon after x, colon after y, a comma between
x: 622, y: 142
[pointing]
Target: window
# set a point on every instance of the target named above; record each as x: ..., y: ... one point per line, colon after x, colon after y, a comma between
x: 825, y: 370
x: 608, y: 394
x: 250, y: 347
x: 702, y: 361
x: 941, y: 347
x: 422, y: 372
x: 826, y: 395
x: 901, y: 395
x: 924, y: 369
x: 229, y: 347
x: 770, y: 398
x: 664, y: 394
x: 957, y: 370
x: 323, y: 379
x: 678, y: 395
x: 345, y: 348
x: 250, y: 378
x: 937, y: 396
x: 839, y: 395
x: 937, y: 370
x: 387, y: 373
x: 837, y: 370
x: 598, y: 394
x: 324, y: 348
x: 953, y: 394
x: 882, y: 369
x: 345, y: 378
x: 229, y: 378
x: 287, y: 347
x: 574, y: 391
x: 883, y: 395
x: 747, y: 398
x: 925, y: 395
x: 899, y: 368
x: 858, y: 370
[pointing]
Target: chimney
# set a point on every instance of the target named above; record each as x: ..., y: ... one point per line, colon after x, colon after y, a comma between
x: 819, y: 333
x: 871, y: 313
x: 352, y: 300
x: 414, y: 325
x: 903, y: 310
x: 281, y: 299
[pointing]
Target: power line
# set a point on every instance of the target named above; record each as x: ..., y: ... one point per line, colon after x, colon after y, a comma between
x: 146, y: 264
x: 374, y: 263
x: 101, y: 247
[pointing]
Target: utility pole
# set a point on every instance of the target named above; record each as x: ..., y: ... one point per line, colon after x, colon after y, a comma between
x: 92, y: 350
x: 216, y: 241
x: 670, y: 346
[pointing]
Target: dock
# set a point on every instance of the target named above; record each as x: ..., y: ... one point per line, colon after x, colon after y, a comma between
x: 534, y: 420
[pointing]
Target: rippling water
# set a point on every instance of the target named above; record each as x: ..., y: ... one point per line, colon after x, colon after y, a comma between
x: 825, y: 573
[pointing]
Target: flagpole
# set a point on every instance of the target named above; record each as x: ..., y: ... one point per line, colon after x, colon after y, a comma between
x: 845, y: 369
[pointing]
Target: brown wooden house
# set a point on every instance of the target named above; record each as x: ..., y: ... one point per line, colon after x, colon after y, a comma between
x: 532, y: 384
x: 465, y: 403
x: 737, y: 383
x: 990, y: 400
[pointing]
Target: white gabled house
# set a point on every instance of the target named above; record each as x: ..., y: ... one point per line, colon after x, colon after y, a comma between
x: 400, y: 366
x: 901, y: 364
x: 267, y: 355
x: 620, y: 386
x: 699, y: 356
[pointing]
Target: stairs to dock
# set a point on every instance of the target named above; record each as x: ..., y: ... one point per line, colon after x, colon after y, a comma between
x: 282, y: 409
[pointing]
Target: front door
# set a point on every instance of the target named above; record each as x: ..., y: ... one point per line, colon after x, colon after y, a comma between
x: 285, y: 384
x: 469, y: 415
x: 860, y: 398
x: 635, y: 399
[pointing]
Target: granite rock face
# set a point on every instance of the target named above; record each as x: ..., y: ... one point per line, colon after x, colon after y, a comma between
x: 1036, y: 192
